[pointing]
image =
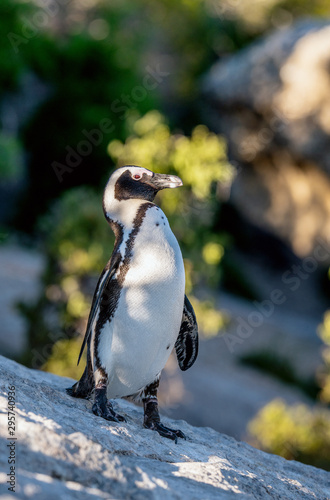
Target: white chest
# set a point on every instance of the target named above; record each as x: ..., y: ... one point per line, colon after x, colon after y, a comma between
x: 137, y: 342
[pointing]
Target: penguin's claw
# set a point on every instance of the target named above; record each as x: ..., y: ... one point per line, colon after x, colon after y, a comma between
x: 120, y: 418
x: 105, y: 411
x: 165, y: 431
x: 180, y: 434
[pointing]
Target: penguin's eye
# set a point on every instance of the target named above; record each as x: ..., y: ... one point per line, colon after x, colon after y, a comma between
x: 137, y: 177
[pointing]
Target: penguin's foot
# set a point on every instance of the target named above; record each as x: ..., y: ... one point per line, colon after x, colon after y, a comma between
x: 103, y: 408
x: 152, y: 418
x: 165, y: 431
x: 106, y: 411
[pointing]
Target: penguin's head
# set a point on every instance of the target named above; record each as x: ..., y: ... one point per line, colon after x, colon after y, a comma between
x: 135, y: 183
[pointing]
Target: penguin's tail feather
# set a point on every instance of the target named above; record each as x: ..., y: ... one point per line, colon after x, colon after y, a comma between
x: 83, y: 388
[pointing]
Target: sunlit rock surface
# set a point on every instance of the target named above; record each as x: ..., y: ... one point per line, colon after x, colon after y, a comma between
x: 64, y: 451
x: 272, y: 102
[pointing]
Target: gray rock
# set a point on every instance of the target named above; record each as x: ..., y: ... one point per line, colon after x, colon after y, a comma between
x: 64, y: 451
x: 272, y: 103
x: 283, y: 78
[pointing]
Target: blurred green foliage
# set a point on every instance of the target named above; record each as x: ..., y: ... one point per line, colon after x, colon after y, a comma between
x: 11, y: 158
x: 301, y: 8
x: 11, y: 65
x: 80, y: 239
x: 63, y: 359
x: 324, y: 374
x: 297, y: 431
x: 91, y: 57
x: 90, y: 80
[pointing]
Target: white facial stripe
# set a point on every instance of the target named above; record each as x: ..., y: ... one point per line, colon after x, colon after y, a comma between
x: 140, y: 171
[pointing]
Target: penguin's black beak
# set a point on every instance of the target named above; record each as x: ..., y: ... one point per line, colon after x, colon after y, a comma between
x: 163, y: 181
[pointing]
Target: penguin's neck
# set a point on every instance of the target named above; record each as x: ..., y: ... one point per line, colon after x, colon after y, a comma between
x: 124, y: 213
x: 123, y: 217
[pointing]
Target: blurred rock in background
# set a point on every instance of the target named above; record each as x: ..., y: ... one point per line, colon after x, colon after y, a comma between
x: 272, y: 103
x: 20, y: 276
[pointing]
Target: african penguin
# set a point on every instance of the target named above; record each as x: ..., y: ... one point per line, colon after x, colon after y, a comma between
x: 139, y: 311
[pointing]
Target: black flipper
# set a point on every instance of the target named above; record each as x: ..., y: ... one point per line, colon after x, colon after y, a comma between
x: 104, y: 279
x: 186, y: 345
x: 151, y: 414
x: 85, y: 386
